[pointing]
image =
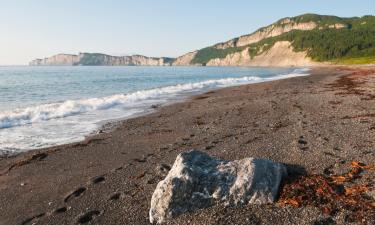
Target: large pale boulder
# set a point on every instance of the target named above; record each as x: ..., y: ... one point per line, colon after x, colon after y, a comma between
x: 197, y: 180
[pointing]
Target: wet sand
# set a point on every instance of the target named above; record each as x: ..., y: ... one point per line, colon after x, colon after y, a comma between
x: 314, y: 124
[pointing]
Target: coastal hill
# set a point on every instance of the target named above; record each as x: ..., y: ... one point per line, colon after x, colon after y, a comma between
x: 304, y: 40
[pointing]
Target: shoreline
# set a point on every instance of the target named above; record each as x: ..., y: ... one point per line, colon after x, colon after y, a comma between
x: 108, y: 123
x: 116, y: 171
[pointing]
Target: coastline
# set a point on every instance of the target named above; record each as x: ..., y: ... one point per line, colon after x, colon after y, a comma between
x: 264, y: 119
x: 159, y: 95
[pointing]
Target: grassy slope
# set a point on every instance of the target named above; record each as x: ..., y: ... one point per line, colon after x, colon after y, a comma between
x: 355, y: 61
x: 354, y: 44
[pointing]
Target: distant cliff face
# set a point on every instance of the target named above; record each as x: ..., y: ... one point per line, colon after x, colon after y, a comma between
x: 95, y: 59
x: 57, y: 60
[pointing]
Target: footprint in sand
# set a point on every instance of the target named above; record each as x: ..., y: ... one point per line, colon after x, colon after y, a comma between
x: 144, y: 158
x: 115, y: 197
x: 87, y: 217
x: 302, y: 143
x: 114, y: 170
x: 98, y: 179
x: 75, y: 193
x: 140, y: 160
x: 32, y: 219
x: 60, y: 210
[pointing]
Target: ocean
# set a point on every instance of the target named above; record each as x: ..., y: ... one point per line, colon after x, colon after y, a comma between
x: 46, y: 106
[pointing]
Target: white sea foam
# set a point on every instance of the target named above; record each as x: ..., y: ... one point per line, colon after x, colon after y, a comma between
x: 64, y: 122
x: 45, y: 112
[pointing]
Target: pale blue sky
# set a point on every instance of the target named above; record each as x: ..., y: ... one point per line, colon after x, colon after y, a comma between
x: 39, y: 28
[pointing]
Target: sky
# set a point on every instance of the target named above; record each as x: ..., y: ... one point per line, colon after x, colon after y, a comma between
x: 32, y: 29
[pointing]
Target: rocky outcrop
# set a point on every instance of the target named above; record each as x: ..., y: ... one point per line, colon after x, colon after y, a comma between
x: 227, y: 44
x: 58, y: 60
x: 101, y: 59
x: 139, y: 60
x: 235, y: 59
x: 273, y: 31
x: 281, y: 54
x: 285, y: 26
x: 276, y: 29
x: 185, y: 60
x: 337, y: 26
x: 197, y: 180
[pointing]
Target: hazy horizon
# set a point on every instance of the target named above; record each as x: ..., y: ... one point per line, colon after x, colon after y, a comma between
x: 35, y: 29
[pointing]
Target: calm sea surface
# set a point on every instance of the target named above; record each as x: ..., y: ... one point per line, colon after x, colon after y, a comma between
x: 46, y: 106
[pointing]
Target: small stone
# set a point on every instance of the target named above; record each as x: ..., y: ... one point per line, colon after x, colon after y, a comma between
x: 197, y: 181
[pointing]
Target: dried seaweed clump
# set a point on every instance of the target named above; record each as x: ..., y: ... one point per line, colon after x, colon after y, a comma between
x: 333, y: 193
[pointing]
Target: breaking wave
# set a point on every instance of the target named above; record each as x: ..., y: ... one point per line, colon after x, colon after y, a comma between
x: 45, y: 112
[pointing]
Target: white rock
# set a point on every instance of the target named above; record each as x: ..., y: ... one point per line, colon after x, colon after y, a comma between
x: 197, y: 180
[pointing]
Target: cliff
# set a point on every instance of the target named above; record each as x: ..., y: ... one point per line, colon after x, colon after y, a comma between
x: 280, y: 54
x: 304, y: 40
x: 273, y: 30
x: 60, y: 60
x: 89, y: 59
x: 308, y: 39
x: 184, y: 60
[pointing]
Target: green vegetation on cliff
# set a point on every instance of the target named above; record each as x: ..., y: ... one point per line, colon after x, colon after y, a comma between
x: 355, y: 61
x: 355, y: 43
x: 206, y: 54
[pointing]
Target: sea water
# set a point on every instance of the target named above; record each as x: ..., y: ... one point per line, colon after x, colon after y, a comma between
x: 47, y: 106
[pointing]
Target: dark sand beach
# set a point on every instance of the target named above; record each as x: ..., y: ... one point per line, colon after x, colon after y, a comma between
x: 317, y: 125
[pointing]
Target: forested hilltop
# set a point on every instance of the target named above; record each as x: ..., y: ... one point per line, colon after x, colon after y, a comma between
x: 304, y: 40
x: 332, y: 38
